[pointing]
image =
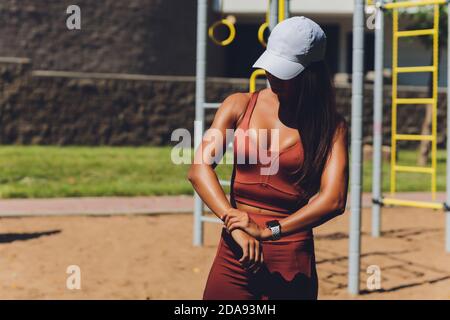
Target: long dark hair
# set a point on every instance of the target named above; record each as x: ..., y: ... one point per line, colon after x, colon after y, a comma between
x: 317, y: 120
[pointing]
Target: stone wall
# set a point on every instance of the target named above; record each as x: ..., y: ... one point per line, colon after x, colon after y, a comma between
x: 39, y: 107
x: 132, y: 36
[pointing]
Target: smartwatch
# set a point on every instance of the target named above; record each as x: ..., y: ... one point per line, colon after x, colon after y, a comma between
x: 275, y: 227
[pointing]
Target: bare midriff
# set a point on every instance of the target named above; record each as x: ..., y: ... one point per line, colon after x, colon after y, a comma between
x: 255, y: 210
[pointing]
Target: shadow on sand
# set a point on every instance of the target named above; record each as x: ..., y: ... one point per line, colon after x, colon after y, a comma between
x: 11, y: 237
x: 412, y: 273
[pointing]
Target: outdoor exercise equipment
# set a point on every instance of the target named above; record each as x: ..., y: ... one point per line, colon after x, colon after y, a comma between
x: 231, y: 28
x: 354, y: 256
x: 257, y: 73
x: 283, y: 12
x: 378, y: 199
x: 261, y: 31
x: 263, y: 27
x: 433, y: 101
x: 228, y: 22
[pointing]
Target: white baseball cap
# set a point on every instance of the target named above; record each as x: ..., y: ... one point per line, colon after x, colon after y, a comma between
x: 293, y: 44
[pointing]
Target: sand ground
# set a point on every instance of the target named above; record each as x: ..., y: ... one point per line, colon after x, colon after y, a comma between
x: 151, y: 257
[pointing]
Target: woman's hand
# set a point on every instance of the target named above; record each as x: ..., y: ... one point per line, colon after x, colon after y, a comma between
x: 238, y: 219
x: 252, y: 255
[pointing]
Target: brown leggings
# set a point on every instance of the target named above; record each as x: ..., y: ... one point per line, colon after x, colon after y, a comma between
x: 288, y: 272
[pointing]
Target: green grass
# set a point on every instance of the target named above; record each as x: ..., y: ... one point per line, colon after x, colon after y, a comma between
x: 407, y: 182
x: 38, y: 171
x: 41, y: 171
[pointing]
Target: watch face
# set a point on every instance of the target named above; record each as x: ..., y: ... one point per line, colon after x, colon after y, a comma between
x: 273, y: 223
x: 276, y: 233
x: 275, y: 227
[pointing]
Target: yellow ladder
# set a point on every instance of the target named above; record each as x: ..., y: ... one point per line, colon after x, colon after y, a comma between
x: 433, y: 101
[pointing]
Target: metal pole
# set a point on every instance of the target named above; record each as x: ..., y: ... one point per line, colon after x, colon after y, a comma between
x: 378, y: 121
x: 273, y: 16
x: 217, y: 5
x: 447, y: 237
x: 287, y: 7
x: 199, y: 111
x: 273, y: 21
x: 356, y: 147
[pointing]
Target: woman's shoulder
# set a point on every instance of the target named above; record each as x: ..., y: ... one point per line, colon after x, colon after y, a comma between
x: 236, y: 104
x: 238, y: 99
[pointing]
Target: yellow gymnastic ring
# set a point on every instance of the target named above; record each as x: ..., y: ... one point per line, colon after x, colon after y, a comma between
x: 261, y: 30
x: 255, y: 74
x: 230, y: 27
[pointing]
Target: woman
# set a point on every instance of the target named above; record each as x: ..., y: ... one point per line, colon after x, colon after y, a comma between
x: 266, y: 249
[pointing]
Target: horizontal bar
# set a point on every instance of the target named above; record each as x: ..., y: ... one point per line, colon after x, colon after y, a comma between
x: 414, y: 101
x: 414, y: 33
x: 413, y: 169
x: 225, y: 183
x: 211, y: 105
x: 409, y: 4
x: 416, y: 69
x: 410, y: 203
x: 413, y: 137
x: 211, y: 219
x: 108, y: 76
x: 15, y: 60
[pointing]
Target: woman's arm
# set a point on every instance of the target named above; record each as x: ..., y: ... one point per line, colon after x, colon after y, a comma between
x: 327, y: 204
x: 205, y: 181
x: 201, y: 173
x: 332, y: 197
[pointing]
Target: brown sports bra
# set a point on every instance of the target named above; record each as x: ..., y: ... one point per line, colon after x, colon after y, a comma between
x: 278, y: 191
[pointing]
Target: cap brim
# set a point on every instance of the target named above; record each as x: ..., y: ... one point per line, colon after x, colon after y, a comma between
x: 279, y: 67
